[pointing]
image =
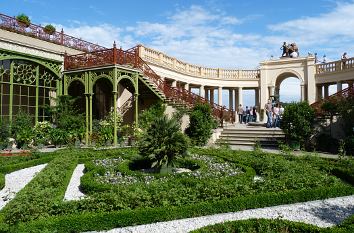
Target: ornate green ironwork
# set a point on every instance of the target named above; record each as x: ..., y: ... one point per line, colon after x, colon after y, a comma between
x: 89, y: 77
x: 25, y: 77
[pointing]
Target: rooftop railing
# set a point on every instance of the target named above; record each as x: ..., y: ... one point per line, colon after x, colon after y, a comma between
x: 12, y: 24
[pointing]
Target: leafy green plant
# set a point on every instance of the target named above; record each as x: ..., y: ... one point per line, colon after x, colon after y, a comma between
x: 24, y: 19
x: 49, y: 29
x: 297, y: 122
x: 4, y: 134
x: 22, y: 129
x: 162, y: 142
x: 201, y: 124
x: 42, y: 133
x: 148, y: 115
x: 66, y: 117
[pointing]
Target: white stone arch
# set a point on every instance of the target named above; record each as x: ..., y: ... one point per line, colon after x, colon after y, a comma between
x: 287, y: 73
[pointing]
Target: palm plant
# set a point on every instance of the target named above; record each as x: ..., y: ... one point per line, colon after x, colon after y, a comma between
x: 162, y: 143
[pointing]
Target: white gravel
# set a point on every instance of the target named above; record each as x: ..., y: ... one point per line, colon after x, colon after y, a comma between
x: 322, y: 213
x: 17, y: 180
x: 73, y: 192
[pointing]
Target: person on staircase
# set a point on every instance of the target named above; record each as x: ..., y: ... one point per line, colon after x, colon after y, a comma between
x: 268, y: 109
x: 248, y: 114
x: 240, y: 113
x: 276, y: 111
x: 254, y: 110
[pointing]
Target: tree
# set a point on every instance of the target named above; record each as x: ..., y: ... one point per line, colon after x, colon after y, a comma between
x: 201, y: 124
x: 297, y: 122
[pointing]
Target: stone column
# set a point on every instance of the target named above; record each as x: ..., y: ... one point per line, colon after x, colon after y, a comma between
x: 271, y: 90
x: 319, y: 93
x: 186, y: 86
x: 212, y: 100
x: 236, y: 104
x: 339, y: 86
x: 326, y: 93
x: 231, y: 99
x: 207, y: 94
x: 256, y: 97
x: 240, y: 99
x: 302, y: 86
x: 220, y: 96
x: 201, y: 91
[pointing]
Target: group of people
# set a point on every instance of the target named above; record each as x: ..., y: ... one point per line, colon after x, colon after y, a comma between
x: 247, y: 115
x: 274, y: 114
x: 290, y: 50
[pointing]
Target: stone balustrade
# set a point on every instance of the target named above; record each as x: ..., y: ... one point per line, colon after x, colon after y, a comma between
x: 335, y: 66
x: 160, y: 59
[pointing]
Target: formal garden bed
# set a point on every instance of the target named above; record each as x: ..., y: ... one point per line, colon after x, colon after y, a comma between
x: 135, y: 196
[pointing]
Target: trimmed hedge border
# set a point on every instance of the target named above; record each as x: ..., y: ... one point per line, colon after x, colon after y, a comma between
x: 2, y: 181
x: 261, y: 226
x: 272, y: 225
x: 45, y: 191
x: 15, y: 167
x: 104, y: 221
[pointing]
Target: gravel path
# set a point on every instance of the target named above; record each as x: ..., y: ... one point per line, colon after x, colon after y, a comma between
x: 322, y: 213
x: 72, y: 192
x: 17, y: 180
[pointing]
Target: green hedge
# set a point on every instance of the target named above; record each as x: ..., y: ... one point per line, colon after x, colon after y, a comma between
x: 42, y: 194
x: 2, y: 180
x: 11, y: 164
x: 100, y: 221
x: 272, y: 226
x: 73, y: 216
x: 260, y: 226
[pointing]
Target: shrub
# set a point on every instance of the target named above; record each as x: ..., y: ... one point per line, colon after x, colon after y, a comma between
x: 162, y: 142
x: 346, y: 112
x: 201, y: 124
x: 297, y: 122
x: 22, y: 129
x: 148, y: 115
x: 67, y: 118
x: 4, y: 134
x: 24, y: 19
x: 42, y: 133
x: 49, y: 29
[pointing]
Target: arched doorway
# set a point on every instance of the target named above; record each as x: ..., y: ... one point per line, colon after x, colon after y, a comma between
x: 102, y: 98
x: 77, y: 90
x: 288, y: 88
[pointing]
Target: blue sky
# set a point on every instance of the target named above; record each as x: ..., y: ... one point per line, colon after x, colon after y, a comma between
x: 214, y: 33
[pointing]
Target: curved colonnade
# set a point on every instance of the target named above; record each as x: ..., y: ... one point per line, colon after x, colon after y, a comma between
x: 209, y: 81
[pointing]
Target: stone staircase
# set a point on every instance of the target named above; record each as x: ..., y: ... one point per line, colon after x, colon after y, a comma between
x: 242, y: 135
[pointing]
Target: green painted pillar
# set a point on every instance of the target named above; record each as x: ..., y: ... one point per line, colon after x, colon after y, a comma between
x: 115, y: 140
x: 115, y: 94
x: 11, y: 90
x: 136, y: 95
x: 90, y: 112
x: 87, y: 119
x: 37, y: 94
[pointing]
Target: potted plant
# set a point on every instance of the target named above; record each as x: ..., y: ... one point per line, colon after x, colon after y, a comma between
x: 49, y: 29
x: 23, y: 20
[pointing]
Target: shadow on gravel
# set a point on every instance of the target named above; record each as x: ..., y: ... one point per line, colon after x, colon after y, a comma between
x: 331, y: 213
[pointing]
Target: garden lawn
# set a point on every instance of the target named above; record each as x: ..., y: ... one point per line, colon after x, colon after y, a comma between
x: 120, y: 194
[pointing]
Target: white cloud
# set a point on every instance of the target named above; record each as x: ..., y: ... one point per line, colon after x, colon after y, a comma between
x: 103, y: 34
x: 331, y: 32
